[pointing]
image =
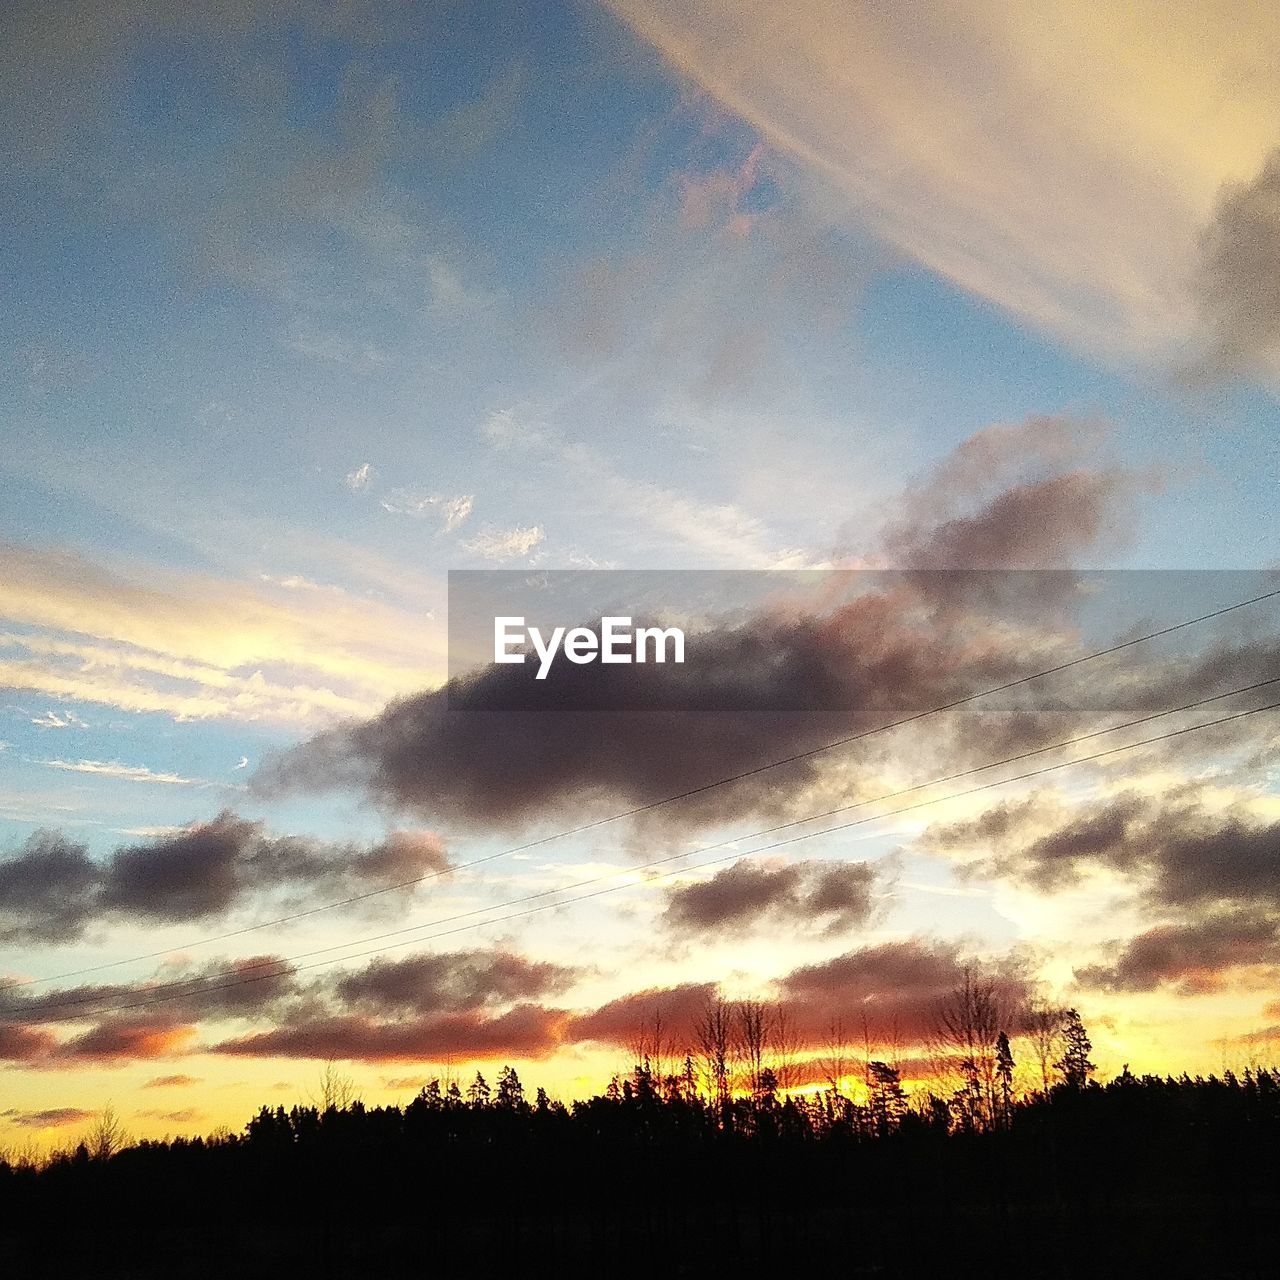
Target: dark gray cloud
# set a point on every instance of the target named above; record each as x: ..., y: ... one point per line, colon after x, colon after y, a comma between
x: 1033, y: 494
x: 1195, y: 956
x: 51, y: 890
x: 451, y: 983
x: 158, y: 1010
x: 827, y: 896
x: 1240, y: 274
x: 46, y: 889
x: 1102, y: 835
x: 1179, y: 852
x: 496, y: 747
x: 1038, y: 524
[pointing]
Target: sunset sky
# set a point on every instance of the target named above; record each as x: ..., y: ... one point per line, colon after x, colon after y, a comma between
x: 307, y: 304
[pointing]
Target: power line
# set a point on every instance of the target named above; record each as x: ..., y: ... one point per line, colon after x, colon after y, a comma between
x: 286, y: 967
x: 353, y: 899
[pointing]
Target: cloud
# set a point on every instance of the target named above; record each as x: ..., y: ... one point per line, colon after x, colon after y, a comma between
x: 716, y: 198
x: 46, y: 890
x: 49, y: 1118
x: 114, y: 1042
x: 1010, y: 496
x: 496, y: 746
x: 1239, y: 278
x: 1042, y: 524
x: 943, y: 129
x: 1032, y: 841
x: 184, y: 1115
x: 177, y: 996
x: 449, y: 512
x: 526, y: 1031
x: 473, y: 1003
x: 52, y: 720
x: 484, y: 1005
x: 361, y: 357
x: 860, y: 650
x: 405, y: 1082
x: 126, y: 772
x: 829, y: 897
x: 1194, y: 957
x: 504, y: 544
x: 1034, y: 494
x: 451, y: 983
x: 24, y: 1044
x: 200, y: 647
x: 360, y: 478
x: 52, y: 891
x: 895, y: 987
x: 402, y: 855
x: 1179, y: 852
x: 171, y: 1082
x: 717, y: 532
x: 617, y: 1021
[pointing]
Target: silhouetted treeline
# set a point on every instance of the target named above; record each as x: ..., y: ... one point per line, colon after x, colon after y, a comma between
x: 1140, y: 1176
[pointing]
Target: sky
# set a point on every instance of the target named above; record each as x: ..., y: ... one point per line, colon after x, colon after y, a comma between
x: 308, y: 304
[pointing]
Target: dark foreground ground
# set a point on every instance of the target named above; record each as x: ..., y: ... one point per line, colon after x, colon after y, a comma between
x: 1145, y: 1178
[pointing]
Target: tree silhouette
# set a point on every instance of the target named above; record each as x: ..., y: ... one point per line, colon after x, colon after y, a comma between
x: 510, y: 1094
x: 1004, y: 1080
x: 107, y: 1135
x: 1074, y: 1063
x: 887, y: 1101
x: 713, y: 1033
x: 478, y: 1092
x: 967, y: 1023
x: 751, y: 1035
x: 1043, y: 1024
x: 337, y: 1090
x: 1190, y: 1182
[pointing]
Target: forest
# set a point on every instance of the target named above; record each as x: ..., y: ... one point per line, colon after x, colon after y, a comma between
x: 705, y: 1164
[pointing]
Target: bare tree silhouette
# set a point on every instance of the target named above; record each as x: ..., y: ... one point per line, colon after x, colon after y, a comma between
x: 107, y: 1135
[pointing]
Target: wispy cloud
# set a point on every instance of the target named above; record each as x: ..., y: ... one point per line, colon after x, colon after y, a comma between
x: 127, y: 772
x: 1240, y: 298
x: 718, y: 532
x: 505, y: 544
x: 360, y: 478
x: 449, y: 511
x: 52, y: 720
x: 199, y: 647
x: 1060, y: 166
x: 170, y: 1082
x: 333, y: 348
